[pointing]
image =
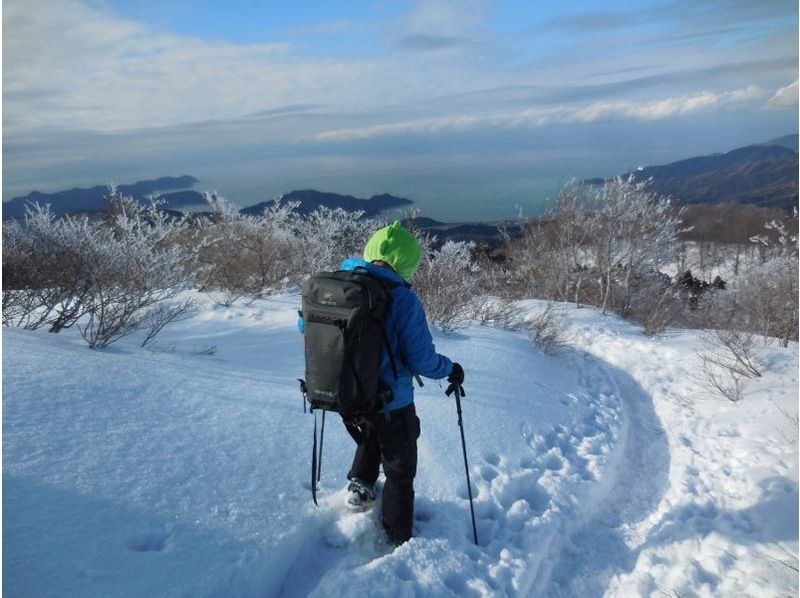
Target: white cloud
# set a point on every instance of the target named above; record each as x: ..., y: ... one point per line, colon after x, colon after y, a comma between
x: 70, y: 64
x: 104, y: 73
x: 449, y: 18
x: 75, y: 65
x: 660, y: 109
x: 785, y: 97
x: 539, y: 117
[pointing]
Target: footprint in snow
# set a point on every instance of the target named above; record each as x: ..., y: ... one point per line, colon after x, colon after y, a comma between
x: 553, y: 462
x: 149, y: 541
x: 492, y: 459
x: 488, y: 472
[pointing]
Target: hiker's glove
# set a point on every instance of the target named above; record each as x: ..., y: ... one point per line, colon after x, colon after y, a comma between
x: 456, y: 379
x: 456, y: 375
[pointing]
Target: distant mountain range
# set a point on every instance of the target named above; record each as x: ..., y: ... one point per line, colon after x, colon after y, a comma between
x: 310, y: 200
x: 790, y: 141
x: 764, y: 175
x: 93, y: 199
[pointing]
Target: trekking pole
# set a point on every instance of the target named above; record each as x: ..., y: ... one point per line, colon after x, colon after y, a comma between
x: 321, y: 438
x: 459, y: 390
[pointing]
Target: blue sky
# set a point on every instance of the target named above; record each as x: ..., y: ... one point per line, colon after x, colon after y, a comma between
x: 461, y: 105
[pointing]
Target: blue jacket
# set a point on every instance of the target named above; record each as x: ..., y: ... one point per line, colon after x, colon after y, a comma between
x: 409, y: 336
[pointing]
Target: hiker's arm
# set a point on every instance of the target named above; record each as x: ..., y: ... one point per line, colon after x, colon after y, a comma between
x: 416, y: 342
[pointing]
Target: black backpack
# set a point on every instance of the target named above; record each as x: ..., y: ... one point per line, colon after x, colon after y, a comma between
x: 344, y: 316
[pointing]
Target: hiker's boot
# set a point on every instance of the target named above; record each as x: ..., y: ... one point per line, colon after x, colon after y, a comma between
x: 360, y: 495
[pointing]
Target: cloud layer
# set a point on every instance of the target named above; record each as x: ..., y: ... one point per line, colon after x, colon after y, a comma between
x: 76, y: 74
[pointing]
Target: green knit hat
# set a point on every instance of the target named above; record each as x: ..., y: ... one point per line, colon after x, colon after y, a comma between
x: 397, y: 247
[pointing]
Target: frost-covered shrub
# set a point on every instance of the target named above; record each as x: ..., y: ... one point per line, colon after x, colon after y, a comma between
x: 496, y: 311
x: 655, y: 302
x: 728, y: 360
x: 447, y: 285
x: 47, y: 263
x: 546, y: 329
x: 573, y: 225
x: 533, y: 266
x: 24, y: 290
x: 329, y: 236
x: 133, y: 268
x: 165, y: 313
x: 243, y: 255
x: 103, y: 275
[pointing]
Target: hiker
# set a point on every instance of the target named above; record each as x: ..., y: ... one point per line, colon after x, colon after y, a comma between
x: 390, y: 437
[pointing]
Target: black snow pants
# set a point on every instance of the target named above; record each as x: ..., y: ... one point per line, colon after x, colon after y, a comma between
x: 393, y: 443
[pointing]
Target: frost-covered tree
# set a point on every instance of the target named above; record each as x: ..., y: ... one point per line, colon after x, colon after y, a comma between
x: 767, y: 292
x: 447, y: 285
x: 574, y: 224
x: 532, y: 263
x: 636, y: 232
x: 330, y: 235
x: 598, y: 246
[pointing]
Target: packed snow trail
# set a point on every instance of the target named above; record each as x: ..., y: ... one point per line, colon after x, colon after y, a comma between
x: 594, y: 547
x: 709, y: 508
x: 191, y: 460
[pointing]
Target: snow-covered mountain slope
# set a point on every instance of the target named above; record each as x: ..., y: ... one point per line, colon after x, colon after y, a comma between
x: 183, y: 469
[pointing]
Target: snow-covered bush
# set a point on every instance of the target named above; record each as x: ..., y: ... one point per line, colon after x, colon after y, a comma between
x: 767, y: 296
x: 25, y: 292
x: 46, y: 269
x: 546, y: 329
x: 133, y: 268
x: 496, y: 311
x: 165, y: 313
x: 329, y: 236
x: 728, y: 360
x: 655, y: 302
x: 243, y: 255
x: 103, y: 275
x: 598, y: 246
x: 447, y: 285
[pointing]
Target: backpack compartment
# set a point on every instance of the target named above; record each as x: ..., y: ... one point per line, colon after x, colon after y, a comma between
x: 345, y: 315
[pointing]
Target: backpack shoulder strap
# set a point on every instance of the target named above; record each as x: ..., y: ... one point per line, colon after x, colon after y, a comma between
x: 387, y: 287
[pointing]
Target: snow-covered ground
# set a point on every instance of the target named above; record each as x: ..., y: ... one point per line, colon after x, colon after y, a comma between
x: 182, y: 469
